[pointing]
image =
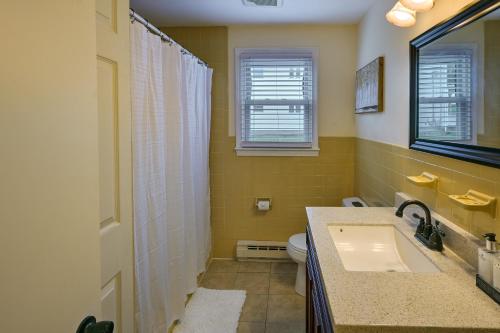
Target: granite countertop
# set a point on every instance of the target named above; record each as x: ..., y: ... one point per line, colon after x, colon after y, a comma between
x: 368, y: 302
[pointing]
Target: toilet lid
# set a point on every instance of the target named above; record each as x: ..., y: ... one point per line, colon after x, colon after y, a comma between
x: 298, y: 241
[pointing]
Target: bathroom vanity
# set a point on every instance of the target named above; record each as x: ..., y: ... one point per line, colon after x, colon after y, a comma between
x: 367, y: 273
x: 318, y: 317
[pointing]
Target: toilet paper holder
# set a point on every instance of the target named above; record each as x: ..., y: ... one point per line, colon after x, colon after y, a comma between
x: 263, y: 202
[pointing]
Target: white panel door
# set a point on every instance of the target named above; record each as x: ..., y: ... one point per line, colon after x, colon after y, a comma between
x: 49, y: 179
x: 115, y: 173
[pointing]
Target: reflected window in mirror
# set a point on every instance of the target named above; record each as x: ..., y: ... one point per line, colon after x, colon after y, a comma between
x: 456, y: 86
x: 446, y: 90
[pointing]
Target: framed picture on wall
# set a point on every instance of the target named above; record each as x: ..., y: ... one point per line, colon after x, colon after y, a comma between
x: 370, y: 87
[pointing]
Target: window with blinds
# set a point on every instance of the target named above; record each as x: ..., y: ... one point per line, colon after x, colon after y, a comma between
x: 445, y: 94
x: 276, y: 99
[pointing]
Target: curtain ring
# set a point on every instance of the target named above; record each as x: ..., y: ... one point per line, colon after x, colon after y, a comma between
x: 132, y: 16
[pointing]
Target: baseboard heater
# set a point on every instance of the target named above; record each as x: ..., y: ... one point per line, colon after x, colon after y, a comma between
x: 261, y: 251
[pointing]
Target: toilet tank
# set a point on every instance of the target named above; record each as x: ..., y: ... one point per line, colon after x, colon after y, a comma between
x: 353, y: 202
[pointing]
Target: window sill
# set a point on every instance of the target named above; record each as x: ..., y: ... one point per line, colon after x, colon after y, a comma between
x: 312, y: 152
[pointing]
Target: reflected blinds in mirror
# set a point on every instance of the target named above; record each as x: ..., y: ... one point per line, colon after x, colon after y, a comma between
x: 445, y: 95
x: 276, y: 100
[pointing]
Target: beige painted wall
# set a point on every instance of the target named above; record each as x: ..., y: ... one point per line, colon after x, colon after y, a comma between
x: 383, y: 159
x: 491, y: 135
x: 337, y: 46
x: 292, y: 182
x: 379, y: 38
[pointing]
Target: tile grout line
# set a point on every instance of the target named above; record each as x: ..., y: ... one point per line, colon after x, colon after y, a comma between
x: 268, y: 296
x: 270, y: 274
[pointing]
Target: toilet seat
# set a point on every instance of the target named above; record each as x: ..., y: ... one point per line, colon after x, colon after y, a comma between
x: 298, y: 243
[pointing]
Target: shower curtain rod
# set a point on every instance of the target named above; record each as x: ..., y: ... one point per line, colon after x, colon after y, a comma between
x: 136, y: 17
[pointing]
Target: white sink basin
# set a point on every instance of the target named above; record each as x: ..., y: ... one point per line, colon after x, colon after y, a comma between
x: 378, y: 248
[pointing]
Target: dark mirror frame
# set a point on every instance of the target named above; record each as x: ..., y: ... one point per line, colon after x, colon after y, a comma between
x: 476, y: 154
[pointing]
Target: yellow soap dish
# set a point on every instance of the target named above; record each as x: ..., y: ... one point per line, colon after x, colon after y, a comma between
x: 425, y: 179
x: 473, y: 199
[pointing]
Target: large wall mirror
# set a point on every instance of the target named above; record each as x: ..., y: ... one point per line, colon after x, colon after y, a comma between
x: 455, y: 86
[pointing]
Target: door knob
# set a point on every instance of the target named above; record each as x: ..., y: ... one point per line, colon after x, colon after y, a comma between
x: 90, y: 325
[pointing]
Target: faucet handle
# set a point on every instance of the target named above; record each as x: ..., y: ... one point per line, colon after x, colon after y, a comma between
x: 421, y: 223
x: 438, y: 229
x: 435, y: 238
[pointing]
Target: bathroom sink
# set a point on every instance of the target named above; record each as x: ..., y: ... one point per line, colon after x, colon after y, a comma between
x: 378, y: 248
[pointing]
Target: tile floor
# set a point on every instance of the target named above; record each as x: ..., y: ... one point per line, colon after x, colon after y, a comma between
x: 272, y: 305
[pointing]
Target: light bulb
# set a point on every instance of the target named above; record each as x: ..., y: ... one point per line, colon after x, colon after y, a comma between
x: 418, y: 5
x: 401, y: 16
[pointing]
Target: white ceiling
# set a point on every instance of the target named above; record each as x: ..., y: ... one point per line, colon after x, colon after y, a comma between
x: 228, y: 12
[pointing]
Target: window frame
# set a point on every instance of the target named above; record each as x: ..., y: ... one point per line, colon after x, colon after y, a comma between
x: 276, y: 149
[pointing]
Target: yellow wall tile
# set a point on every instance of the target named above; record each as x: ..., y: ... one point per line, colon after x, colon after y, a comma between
x: 381, y: 170
x: 345, y: 166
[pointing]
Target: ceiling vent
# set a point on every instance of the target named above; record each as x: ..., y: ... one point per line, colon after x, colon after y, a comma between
x: 263, y: 3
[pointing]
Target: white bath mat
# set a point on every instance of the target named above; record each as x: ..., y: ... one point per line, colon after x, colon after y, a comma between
x: 212, y: 311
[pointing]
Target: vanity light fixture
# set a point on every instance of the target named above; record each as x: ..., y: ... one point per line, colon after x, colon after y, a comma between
x: 401, y: 16
x: 418, y: 5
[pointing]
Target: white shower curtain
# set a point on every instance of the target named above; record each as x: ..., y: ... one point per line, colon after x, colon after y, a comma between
x: 171, y: 131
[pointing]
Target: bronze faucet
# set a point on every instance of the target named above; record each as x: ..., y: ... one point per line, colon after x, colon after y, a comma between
x: 430, y: 235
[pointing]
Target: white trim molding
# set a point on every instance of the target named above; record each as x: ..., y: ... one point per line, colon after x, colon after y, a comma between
x: 312, y: 152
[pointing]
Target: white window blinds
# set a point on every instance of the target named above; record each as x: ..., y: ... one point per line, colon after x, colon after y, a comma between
x: 276, y: 99
x: 445, y: 95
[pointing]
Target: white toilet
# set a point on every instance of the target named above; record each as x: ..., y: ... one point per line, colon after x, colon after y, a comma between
x: 297, y: 248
